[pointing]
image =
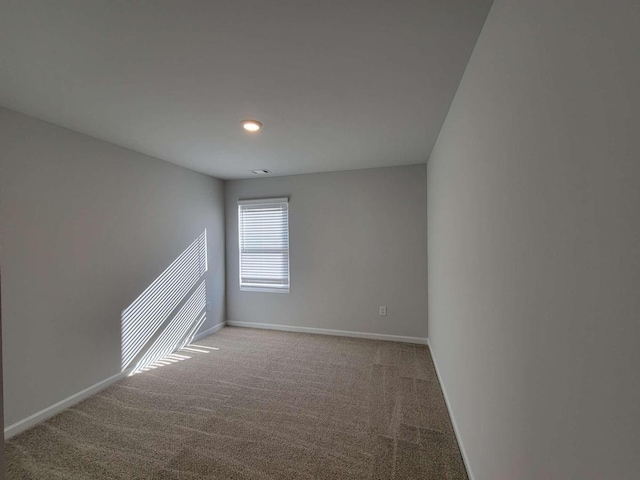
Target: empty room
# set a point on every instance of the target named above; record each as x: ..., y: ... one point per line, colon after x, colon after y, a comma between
x: 356, y: 240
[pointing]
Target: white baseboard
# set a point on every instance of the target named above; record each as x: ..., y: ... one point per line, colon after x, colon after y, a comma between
x: 31, y: 420
x: 465, y: 457
x: 208, y: 331
x: 326, y: 331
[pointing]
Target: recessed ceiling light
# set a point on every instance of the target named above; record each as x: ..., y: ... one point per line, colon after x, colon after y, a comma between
x: 251, y: 125
x: 261, y: 172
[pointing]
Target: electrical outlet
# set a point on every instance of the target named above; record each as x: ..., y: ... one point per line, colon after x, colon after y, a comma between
x: 382, y: 310
x: 208, y: 306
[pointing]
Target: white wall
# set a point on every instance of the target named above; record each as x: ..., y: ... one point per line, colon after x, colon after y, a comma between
x: 357, y: 241
x: 86, y: 227
x: 534, y: 243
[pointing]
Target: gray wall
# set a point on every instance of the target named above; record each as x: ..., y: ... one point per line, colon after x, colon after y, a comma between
x: 86, y: 226
x: 357, y: 241
x: 534, y: 243
x: 1, y: 393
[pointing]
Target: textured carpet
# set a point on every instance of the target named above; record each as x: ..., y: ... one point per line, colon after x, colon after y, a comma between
x: 256, y: 404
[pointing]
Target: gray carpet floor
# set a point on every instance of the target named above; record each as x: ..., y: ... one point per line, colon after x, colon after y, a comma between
x: 256, y: 404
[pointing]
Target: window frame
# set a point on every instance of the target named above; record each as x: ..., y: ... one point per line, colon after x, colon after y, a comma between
x: 264, y: 288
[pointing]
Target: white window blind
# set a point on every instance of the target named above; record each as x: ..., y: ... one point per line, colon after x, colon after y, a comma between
x: 264, y: 244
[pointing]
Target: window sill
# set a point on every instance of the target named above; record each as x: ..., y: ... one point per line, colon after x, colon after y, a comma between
x: 264, y: 289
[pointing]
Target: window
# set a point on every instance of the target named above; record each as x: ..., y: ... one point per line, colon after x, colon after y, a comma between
x: 263, y: 230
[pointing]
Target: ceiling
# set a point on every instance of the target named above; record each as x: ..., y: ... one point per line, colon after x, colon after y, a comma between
x: 338, y: 85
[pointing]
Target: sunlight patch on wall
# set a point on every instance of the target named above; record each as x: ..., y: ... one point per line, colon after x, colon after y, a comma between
x: 180, y: 331
x: 151, y: 322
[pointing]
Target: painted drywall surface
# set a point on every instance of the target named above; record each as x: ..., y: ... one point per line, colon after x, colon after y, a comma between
x: 86, y: 227
x: 339, y: 85
x: 1, y: 393
x: 357, y: 241
x: 534, y: 243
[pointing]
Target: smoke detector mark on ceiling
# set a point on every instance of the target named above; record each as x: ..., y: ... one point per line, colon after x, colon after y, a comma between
x: 261, y: 172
